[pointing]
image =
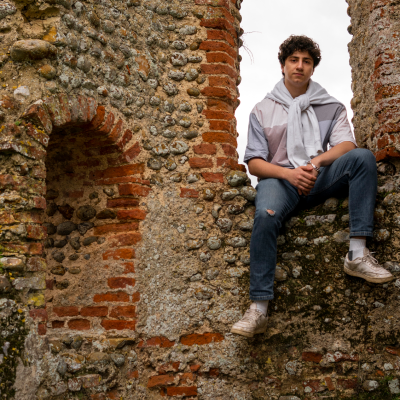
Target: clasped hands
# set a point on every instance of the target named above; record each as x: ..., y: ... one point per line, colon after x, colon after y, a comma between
x: 303, y: 178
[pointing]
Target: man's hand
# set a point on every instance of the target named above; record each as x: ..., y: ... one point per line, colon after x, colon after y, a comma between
x: 303, y: 178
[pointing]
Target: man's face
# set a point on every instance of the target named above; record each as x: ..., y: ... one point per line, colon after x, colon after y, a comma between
x: 298, y: 68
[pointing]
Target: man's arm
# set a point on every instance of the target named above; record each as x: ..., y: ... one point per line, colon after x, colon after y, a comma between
x: 327, y: 158
x: 301, y: 177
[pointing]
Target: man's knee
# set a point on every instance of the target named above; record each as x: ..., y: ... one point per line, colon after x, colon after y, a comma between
x: 364, y: 156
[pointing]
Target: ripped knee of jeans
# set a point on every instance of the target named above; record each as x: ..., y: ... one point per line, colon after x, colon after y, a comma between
x: 271, y: 213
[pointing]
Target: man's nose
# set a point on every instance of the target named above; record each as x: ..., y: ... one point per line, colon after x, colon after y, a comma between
x: 300, y: 65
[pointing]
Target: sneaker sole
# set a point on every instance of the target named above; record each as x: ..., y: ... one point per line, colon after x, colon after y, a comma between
x: 248, y: 334
x: 368, y: 278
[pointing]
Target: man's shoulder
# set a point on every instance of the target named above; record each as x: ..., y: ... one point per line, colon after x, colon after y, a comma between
x: 266, y: 104
x: 269, y: 113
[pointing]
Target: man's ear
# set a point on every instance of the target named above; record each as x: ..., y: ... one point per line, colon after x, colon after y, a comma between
x: 283, y: 69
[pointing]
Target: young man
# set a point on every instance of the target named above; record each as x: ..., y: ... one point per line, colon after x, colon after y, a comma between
x: 287, y: 150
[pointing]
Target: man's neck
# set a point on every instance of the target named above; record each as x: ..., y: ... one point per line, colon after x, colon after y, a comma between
x: 296, y: 91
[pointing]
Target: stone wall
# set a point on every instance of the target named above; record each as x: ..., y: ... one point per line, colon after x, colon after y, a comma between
x: 126, y: 218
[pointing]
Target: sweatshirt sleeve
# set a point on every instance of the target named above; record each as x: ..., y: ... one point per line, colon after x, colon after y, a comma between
x: 342, y: 131
x: 257, y: 144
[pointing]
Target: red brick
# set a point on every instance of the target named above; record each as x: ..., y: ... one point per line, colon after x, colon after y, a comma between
x: 311, y: 356
x: 219, y: 105
x: 329, y: 383
x: 123, y: 311
x: 126, y: 137
x: 189, y: 193
x: 200, y: 339
x: 229, y: 150
x: 132, y: 189
x: 118, y: 325
x: 196, y: 162
x: 208, y: 45
x: 135, y: 297
x: 217, y: 92
x: 37, y: 113
x: 393, y: 350
x: 94, y: 311
x: 158, y: 341
x: 59, y: 114
x: 218, y: 69
x: 220, y: 58
x: 98, y: 396
x: 42, y: 329
x: 186, y: 377
x: 131, y: 214
x: 39, y: 314
x: 217, y: 125
x: 133, y: 375
x: 125, y: 254
x: 205, y: 148
x: 70, y: 311
x: 116, y: 132
x: 210, y: 114
x: 214, y: 372
x: 171, y: 366
x: 213, y: 177
x: 98, y: 119
x: 111, y: 296
x: 114, y: 172
x: 214, y: 34
x: 79, y: 324
x: 213, y: 3
x: 219, y: 23
x: 129, y: 267
x: 347, y: 383
x: 219, y: 137
x: 57, y: 324
x: 230, y: 163
x: 160, y: 380
x: 105, y: 129
x: 37, y: 134
x: 49, y: 284
x: 130, y: 154
x: 315, y: 385
x: 125, y: 239
x: 39, y: 202
x: 122, y: 179
x: 182, y: 391
x: 120, y: 282
x: 35, y: 264
x: 114, y: 228
x: 113, y: 395
x: 195, y: 367
x: 122, y: 202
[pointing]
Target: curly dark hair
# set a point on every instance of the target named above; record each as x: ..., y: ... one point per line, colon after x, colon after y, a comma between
x: 299, y: 43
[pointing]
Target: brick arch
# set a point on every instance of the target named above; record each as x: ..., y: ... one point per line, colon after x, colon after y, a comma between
x: 103, y: 153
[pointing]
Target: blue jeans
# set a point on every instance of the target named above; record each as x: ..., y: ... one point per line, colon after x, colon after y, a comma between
x: 353, y: 174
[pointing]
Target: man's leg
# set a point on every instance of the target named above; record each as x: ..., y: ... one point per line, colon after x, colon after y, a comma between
x: 354, y: 173
x: 275, y: 200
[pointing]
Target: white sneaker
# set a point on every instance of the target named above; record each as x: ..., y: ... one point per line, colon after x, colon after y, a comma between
x: 253, y: 322
x: 368, y: 268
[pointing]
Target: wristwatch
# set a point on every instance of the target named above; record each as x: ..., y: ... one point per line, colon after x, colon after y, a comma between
x: 314, y: 167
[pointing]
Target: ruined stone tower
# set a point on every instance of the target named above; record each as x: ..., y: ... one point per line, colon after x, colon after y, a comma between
x: 126, y: 218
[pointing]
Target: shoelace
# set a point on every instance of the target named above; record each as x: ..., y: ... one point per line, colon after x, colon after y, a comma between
x: 373, y: 262
x: 252, y: 315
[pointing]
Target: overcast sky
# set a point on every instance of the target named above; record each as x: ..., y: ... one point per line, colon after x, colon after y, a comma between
x: 266, y: 25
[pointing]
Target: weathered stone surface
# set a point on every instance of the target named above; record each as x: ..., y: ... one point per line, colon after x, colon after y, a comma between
x: 32, y: 49
x: 65, y: 228
x: 236, y: 178
x: 86, y: 212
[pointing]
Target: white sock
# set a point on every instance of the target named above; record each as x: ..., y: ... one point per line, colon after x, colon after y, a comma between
x: 260, y: 305
x: 357, y: 247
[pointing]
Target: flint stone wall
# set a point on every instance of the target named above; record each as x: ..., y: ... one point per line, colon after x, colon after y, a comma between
x: 126, y: 218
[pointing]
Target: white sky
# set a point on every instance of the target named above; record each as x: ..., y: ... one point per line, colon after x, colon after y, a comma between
x: 266, y: 25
